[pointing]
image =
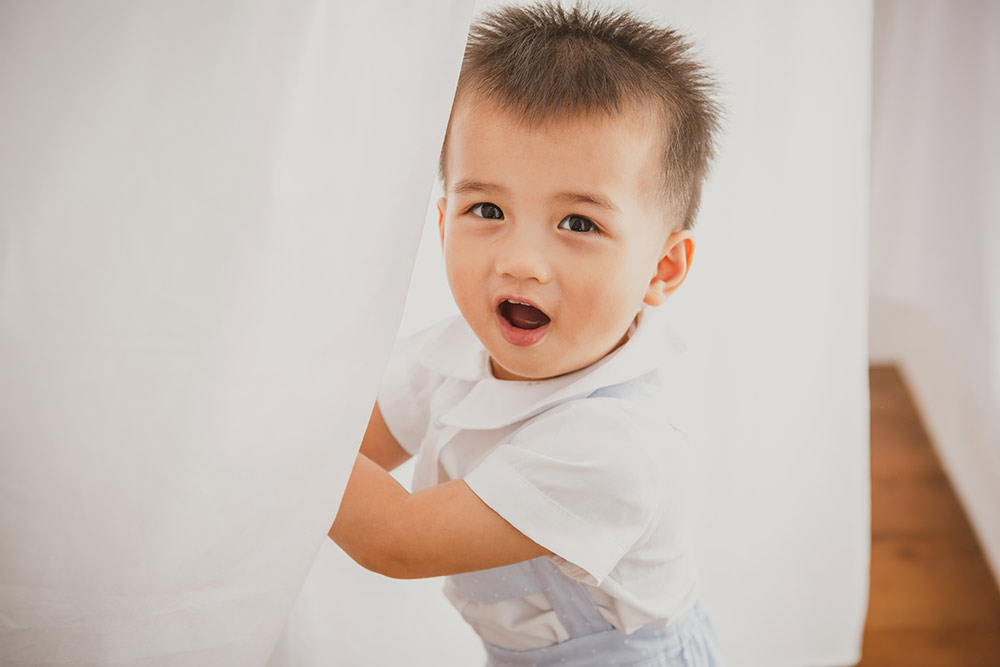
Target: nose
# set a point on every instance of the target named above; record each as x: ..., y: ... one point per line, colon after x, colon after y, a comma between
x: 522, y: 255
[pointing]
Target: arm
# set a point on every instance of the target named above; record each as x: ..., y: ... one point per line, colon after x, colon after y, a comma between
x: 445, y: 529
x: 379, y: 445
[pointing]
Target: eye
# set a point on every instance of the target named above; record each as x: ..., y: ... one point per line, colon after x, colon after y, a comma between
x: 487, y: 210
x: 577, y: 223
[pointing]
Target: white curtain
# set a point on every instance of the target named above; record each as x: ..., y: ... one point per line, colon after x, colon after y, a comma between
x: 207, y: 222
x: 935, y: 232
x: 206, y: 229
x: 775, y: 390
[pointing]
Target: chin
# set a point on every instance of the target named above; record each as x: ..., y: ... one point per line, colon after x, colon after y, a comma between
x: 522, y: 371
x: 542, y: 371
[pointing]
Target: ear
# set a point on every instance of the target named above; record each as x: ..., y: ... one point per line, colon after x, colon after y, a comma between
x: 672, y: 269
x: 442, y: 205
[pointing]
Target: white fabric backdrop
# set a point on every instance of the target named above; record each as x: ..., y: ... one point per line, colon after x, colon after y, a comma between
x: 776, y: 394
x: 192, y: 201
x: 205, y: 238
x: 935, y: 232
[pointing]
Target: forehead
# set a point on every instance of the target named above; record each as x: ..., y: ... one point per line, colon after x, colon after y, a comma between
x: 620, y: 154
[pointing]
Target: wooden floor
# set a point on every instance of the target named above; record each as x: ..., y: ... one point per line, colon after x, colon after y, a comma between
x: 933, y: 600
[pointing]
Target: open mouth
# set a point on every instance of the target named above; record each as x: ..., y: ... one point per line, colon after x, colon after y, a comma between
x: 521, y: 323
x: 522, y: 315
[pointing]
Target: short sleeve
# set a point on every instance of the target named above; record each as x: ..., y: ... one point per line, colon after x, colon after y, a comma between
x: 582, y: 480
x: 405, y: 392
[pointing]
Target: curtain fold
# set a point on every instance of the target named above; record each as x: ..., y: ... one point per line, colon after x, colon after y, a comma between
x: 206, y: 229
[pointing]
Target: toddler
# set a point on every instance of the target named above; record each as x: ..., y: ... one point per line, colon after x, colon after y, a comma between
x: 548, y: 484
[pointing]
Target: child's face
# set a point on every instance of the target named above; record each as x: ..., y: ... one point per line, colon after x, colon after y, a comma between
x: 566, y: 218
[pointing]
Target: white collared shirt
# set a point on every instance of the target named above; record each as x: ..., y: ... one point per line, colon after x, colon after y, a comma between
x: 587, y: 465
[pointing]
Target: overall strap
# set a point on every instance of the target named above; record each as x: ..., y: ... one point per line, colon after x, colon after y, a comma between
x: 498, y: 584
x: 570, y: 600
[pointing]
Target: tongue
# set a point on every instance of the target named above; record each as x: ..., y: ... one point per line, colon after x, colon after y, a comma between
x: 523, y: 316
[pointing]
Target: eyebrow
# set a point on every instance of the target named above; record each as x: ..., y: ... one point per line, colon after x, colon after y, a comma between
x: 592, y: 198
x: 466, y: 186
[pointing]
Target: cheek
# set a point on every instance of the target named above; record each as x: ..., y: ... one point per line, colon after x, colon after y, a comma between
x: 603, y: 279
x: 598, y: 293
x: 609, y: 293
x: 461, y: 267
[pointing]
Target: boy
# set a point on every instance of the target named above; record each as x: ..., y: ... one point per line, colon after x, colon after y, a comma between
x: 548, y: 485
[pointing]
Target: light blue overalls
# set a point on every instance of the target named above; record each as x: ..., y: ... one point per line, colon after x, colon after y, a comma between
x: 688, y: 641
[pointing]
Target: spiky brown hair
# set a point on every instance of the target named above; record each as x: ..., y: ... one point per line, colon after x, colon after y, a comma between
x: 545, y: 62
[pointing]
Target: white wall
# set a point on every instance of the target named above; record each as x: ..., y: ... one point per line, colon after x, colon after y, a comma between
x: 935, y: 233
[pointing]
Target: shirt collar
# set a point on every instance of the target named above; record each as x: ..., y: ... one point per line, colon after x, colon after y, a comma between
x: 491, y: 403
